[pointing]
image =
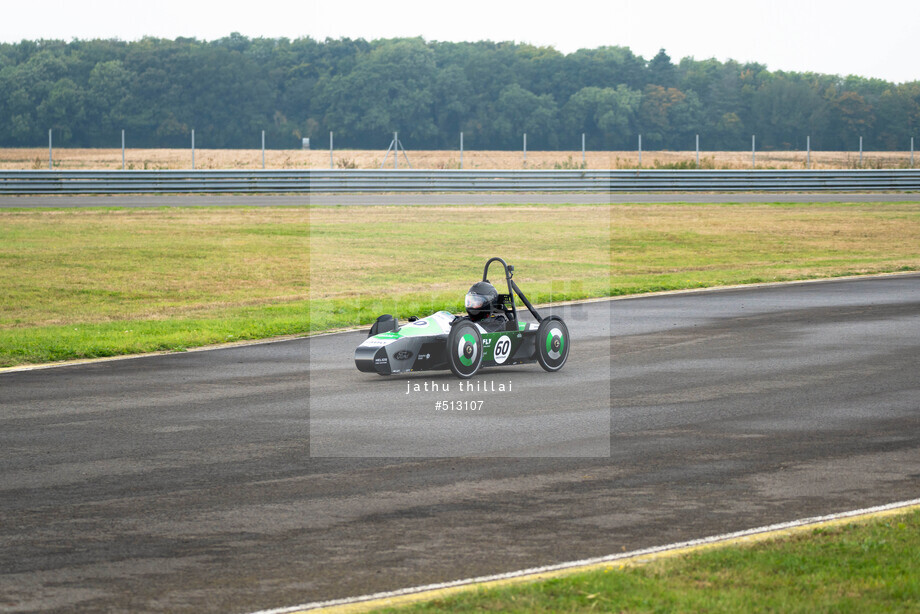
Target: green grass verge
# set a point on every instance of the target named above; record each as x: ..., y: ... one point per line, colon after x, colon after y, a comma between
x: 871, y: 566
x: 95, y: 340
x: 99, y: 282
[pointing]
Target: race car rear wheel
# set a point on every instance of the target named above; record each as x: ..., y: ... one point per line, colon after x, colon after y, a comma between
x: 552, y: 343
x: 464, y: 350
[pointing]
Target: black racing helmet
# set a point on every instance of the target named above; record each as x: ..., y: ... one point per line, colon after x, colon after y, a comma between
x: 482, y: 300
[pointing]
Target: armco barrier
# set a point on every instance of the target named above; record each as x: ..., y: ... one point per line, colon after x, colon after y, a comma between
x: 333, y: 181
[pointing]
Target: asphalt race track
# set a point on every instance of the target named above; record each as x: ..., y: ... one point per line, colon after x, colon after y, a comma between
x: 579, y: 198
x: 185, y: 483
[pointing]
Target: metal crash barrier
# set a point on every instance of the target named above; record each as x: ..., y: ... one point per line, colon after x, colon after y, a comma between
x: 358, y: 181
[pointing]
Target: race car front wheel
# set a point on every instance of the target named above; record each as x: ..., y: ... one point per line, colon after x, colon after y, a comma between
x: 464, y: 349
x: 552, y: 343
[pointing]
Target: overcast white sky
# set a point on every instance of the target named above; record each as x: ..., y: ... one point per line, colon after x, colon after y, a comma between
x: 872, y: 39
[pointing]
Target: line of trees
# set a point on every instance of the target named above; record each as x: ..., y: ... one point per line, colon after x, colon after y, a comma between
x: 231, y: 89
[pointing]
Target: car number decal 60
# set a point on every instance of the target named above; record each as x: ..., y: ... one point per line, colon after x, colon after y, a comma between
x: 502, y: 349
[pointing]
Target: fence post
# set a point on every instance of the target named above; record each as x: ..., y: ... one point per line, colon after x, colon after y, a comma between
x: 122, y: 150
x: 808, y: 152
x: 461, y: 149
x: 263, y: 150
x: 911, y: 152
x: 860, y: 152
x: 525, y: 148
x: 395, y: 150
x: 193, y: 149
x: 50, y: 153
x: 583, y: 148
x: 753, y: 151
x: 331, y: 165
x: 697, y: 151
x: 640, y: 151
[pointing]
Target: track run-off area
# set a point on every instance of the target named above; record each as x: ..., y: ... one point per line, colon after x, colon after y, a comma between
x: 256, y: 477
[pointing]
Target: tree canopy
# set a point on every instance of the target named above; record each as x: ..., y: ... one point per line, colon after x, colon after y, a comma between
x: 229, y: 90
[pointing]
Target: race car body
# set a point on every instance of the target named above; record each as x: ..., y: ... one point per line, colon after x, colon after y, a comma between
x: 446, y: 341
x: 422, y: 346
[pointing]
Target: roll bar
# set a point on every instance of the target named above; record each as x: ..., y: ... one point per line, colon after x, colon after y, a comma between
x: 512, y: 288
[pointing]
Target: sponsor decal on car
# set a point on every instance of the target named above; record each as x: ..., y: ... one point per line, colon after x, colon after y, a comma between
x: 402, y: 355
x: 377, y: 342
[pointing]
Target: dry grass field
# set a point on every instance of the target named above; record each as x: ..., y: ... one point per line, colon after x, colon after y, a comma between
x: 110, y: 159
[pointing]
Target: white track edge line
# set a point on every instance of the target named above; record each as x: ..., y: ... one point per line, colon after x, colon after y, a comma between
x: 586, y: 301
x: 592, y: 561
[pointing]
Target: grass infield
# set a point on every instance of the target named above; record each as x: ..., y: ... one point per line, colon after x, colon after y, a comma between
x: 82, y: 283
x: 865, y: 566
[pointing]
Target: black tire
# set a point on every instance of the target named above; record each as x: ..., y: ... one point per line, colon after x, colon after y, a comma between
x: 383, y: 324
x: 464, y: 350
x: 553, y: 343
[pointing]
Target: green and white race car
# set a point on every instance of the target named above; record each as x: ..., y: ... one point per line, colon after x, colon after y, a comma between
x: 490, y: 335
